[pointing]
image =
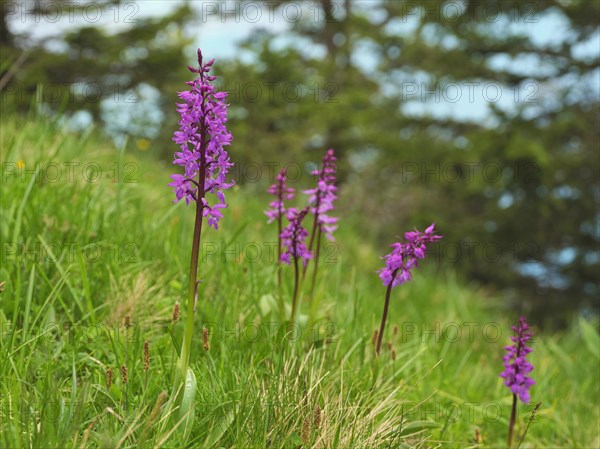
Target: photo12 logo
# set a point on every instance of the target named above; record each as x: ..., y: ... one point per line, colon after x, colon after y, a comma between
x: 469, y: 172
x: 69, y: 252
x: 275, y: 92
x: 72, y: 12
x: 254, y: 252
x: 67, y: 93
x: 69, y: 172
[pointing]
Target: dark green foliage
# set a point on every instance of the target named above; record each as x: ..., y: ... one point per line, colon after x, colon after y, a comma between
x: 515, y: 193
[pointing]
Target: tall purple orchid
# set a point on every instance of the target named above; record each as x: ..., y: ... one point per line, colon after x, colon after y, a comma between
x: 321, y: 199
x: 277, y: 211
x: 202, y: 138
x: 293, y: 239
x: 516, y: 369
x: 399, y: 265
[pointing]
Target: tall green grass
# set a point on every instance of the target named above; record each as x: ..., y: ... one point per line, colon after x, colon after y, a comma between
x: 82, y: 250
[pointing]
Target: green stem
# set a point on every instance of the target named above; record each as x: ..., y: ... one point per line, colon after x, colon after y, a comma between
x: 192, y: 291
x: 385, y: 313
x: 279, y: 275
x: 511, y: 424
x: 314, y: 228
x: 296, y: 288
x: 316, y: 265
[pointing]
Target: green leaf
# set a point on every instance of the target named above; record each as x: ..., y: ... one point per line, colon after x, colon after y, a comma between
x: 188, y: 404
x: 218, y: 430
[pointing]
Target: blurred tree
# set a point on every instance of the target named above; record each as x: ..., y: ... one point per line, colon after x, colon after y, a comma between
x: 516, y: 193
x: 108, y: 61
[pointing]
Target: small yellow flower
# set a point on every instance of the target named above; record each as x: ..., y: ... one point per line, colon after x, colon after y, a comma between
x: 20, y: 163
x: 143, y: 144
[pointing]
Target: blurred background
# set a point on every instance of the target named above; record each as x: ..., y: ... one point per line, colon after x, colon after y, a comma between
x: 481, y: 116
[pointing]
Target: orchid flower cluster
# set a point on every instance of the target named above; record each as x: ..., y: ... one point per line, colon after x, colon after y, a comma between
x: 516, y: 370
x: 405, y: 256
x: 322, y: 196
x: 281, y: 192
x: 399, y: 264
x: 202, y: 138
x: 516, y: 366
x: 292, y: 240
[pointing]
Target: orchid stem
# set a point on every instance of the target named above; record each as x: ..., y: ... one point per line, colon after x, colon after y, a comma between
x: 316, y: 265
x: 192, y: 293
x: 296, y: 288
x: 279, y: 275
x: 385, y: 313
x: 315, y: 228
x: 511, y: 424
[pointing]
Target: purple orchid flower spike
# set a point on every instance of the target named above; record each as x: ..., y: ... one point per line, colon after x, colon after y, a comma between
x: 322, y: 197
x: 405, y: 256
x: 320, y: 200
x: 282, y: 193
x: 399, y: 265
x: 202, y: 137
x: 517, y: 368
x: 294, y: 237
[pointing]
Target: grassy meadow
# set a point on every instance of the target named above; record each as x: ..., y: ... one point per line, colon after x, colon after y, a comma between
x: 91, y: 241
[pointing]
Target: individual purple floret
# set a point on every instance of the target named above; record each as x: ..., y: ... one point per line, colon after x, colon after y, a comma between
x: 282, y: 192
x: 516, y: 366
x: 405, y: 256
x: 321, y: 197
x: 202, y: 136
x: 294, y: 237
